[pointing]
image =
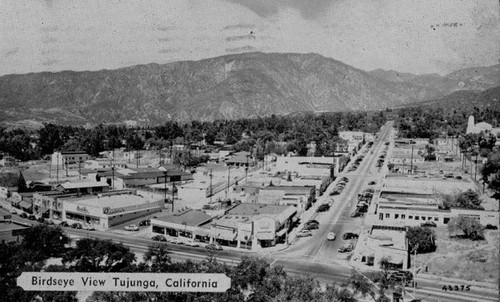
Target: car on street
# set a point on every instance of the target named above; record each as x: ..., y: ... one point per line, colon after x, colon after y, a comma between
x: 64, y: 224
x: 23, y: 215
x: 331, y: 236
x: 323, y: 208
x: 146, y: 222
x: 89, y: 227
x: 345, y: 249
x: 304, y: 233
x: 312, y: 224
x: 192, y: 243
x: 131, y: 227
x: 371, y: 183
x: 13, y: 212
x: 349, y: 235
x: 213, y: 247
x: 76, y: 225
x: 176, y: 240
x: 159, y: 238
x: 356, y: 213
x: 31, y: 217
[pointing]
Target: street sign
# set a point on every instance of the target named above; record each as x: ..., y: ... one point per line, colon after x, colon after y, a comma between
x: 131, y: 282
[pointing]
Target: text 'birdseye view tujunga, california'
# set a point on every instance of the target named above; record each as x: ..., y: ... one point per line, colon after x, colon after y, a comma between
x: 260, y: 151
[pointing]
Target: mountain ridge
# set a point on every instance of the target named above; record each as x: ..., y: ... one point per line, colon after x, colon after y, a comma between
x: 226, y: 87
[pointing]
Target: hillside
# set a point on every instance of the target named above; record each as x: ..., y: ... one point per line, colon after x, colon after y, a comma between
x: 227, y: 87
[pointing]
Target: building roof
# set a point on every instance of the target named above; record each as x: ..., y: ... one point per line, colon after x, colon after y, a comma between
x: 73, y: 152
x: 108, y: 200
x: 249, y: 209
x: 295, y: 189
x: 154, y: 174
x: 190, y: 218
x: 9, y: 226
x: 83, y: 184
x: 239, y: 160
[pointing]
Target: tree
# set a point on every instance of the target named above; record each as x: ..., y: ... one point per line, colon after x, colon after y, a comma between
x: 469, y: 226
x: 96, y: 255
x: 491, y: 171
x: 42, y: 242
x: 464, y: 200
x: 360, y: 284
x: 21, y: 184
x: 422, y: 237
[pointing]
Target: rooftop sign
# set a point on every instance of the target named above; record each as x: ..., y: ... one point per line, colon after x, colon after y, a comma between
x: 130, y: 282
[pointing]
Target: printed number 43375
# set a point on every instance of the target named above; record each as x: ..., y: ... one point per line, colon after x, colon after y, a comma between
x: 456, y: 287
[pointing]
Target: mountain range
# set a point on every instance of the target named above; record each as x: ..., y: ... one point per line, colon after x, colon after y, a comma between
x: 227, y: 87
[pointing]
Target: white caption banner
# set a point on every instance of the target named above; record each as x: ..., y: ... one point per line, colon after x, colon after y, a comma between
x: 133, y: 282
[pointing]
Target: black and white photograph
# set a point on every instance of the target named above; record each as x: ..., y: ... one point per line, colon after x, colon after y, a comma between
x: 249, y: 150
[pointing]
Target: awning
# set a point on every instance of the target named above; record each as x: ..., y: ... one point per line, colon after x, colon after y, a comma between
x: 202, y: 233
x: 25, y: 205
x: 281, y: 232
x: 265, y: 236
x: 226, y: 236
x: 396, y: 259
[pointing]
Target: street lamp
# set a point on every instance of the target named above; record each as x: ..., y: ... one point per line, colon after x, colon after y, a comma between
x: 228, y: 178
x: 165, y: 188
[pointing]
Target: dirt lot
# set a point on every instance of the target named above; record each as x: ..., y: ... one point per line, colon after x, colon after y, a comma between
x: 464, y: 258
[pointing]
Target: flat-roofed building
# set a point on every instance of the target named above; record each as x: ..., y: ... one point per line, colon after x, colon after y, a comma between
x: 253, y: 226
x: 414, y: 214
x: 301, y: 197
x: 186, y: 224
x: 12, y: 231
x: 109, y: 209
x: 83, y: 187
x: 383, y: 242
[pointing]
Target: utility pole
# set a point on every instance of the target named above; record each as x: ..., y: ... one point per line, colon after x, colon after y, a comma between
x: 411, y: 160
x: 113, y: 181
x: 246, y: 170
x: 173, y: 195
x: 57, y: 168
x: 228, y: 179
x: 414, y: 276
x: 211, y: 176
x: 165, y: 189
x: 80, y: 169
x: 475, y: 167
x: 66, y: 166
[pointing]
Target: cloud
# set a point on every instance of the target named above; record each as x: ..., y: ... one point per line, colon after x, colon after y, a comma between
x: 12, y: 52
x: 166, y: 28
x: 49, y: 39
x: 49, y: 28
x: 239, y: 26
x: 50, y: 62
x: 240, y: 38
x: 169, y: 50
x: 309, y: 9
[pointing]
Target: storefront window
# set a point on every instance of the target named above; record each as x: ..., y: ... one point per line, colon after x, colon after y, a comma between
x: 158, y: 230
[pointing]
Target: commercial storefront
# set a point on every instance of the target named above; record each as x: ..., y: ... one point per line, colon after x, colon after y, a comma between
x: 107, y: 210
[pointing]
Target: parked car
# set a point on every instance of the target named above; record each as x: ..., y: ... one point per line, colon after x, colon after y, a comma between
x: 31, y: 217
x: 323, y: 208
x: 89, y: 227
x: 213, y: 247
x: 177, y: 240
x: 131, y: 227
x: 159, y: 238
x: 345, y: 249
x: 311, y: 225
x: 64, y: 224
x: 76, y: 225
x: 23, y: 215
x: 13, y: 212
x: 356, y: 213
x: 41, y: 220
x: 146, y: 222
x: 429, y: 224
x: 331, y: 236
x: 304, y: 233
x: 192, y: 243
x: 349, y: 235
x: 371, y: 183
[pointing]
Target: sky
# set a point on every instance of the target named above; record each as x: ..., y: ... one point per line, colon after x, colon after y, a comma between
x: 417, y: 36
